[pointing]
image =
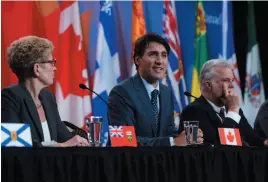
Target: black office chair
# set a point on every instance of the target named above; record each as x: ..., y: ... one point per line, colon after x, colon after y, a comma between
x: 76, y: 130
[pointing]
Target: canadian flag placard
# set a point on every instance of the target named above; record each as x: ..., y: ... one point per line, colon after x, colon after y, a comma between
x: 123, y: 136
x: 230, y: 136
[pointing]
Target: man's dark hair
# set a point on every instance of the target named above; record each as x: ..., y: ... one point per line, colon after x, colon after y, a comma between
x: 143, y: 42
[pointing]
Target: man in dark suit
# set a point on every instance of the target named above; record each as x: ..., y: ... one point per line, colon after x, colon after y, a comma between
x: 218, y: 105
x: 141, y: 101
x: 261, y: 122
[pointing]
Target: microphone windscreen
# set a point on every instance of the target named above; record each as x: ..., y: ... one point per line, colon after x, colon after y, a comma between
x: 82, y: 86
x: 187, y: 94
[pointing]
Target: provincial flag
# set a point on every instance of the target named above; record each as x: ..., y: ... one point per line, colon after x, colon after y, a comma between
x: 175, y: 75
x: 254, y: 91
x: 107, y: 73
x: 138, y: 26
x: 123, y: 136
x: 201, y: 49
x: 228, y: 51
x: 15, y: 134
x: 230, y: 136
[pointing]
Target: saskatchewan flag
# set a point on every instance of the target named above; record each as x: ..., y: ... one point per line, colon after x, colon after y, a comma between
x: 254, y: 91
x: 201, y: 52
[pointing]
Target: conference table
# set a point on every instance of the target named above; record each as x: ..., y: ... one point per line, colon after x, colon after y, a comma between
x: 127, y: 164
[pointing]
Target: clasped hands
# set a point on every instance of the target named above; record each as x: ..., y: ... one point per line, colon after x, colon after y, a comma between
x: 181, y: 139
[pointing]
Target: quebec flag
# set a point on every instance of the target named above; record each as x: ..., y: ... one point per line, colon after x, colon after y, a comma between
x: 228, y: 51
x: 219, y: 23
x: 107, y: 73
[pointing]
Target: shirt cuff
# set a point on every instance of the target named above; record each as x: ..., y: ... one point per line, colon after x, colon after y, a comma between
x: 233, y: 115
x: 49, y: 143
x: 171, y: 140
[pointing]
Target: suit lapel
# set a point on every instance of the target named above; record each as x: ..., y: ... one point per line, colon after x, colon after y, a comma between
x: 214, y: 119
x: 32, y: 111
x: 145, y: 100
x: 51, y: 123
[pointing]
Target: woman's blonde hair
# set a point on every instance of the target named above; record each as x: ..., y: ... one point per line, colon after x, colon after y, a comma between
x: 23, y: 53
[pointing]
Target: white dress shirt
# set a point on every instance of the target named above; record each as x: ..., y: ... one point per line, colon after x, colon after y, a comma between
x: 233, y: 115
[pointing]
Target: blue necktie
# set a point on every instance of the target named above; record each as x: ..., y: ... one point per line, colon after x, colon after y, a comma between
x: 154, y: 95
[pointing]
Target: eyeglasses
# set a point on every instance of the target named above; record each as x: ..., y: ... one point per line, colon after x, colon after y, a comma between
x: 52, y: 62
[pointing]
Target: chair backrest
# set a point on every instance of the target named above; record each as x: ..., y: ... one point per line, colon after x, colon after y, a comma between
x: 76, y: 130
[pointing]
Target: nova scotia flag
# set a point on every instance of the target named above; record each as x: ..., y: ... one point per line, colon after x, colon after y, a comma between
x: 107, y: 73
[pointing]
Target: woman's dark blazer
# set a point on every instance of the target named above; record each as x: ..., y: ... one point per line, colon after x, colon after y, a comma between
x: 17, y: 106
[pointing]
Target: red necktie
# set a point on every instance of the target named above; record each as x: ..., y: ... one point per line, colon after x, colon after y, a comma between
x: 222, y: 113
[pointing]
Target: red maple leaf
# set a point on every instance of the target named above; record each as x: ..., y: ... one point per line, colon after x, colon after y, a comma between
x: 50, y: 22
x: 70, y: 60
x: 230, y: 137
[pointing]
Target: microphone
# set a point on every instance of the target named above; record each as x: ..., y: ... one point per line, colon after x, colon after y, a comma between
x: 84, y: 87
x: 188, y: 94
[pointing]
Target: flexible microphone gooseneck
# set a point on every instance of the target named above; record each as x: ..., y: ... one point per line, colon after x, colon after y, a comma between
x: 84, y: 87
x: 188, y: 94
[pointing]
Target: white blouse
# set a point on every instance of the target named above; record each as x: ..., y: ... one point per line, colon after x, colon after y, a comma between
x: 47, y: 139
x: 46, y: 132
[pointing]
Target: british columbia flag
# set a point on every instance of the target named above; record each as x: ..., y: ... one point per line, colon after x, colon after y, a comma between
x: 175, y: 76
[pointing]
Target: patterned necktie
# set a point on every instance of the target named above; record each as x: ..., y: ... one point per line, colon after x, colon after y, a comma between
x: 222, y: 115
x: 154, y: 95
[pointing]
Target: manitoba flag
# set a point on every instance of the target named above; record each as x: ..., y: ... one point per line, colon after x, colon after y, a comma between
x: 230, y: 136
x: 123, y: 136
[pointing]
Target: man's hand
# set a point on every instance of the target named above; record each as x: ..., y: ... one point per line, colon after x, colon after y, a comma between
x: 231, y: 98
x: 75, y: 141
x: 266, y: 142
x: 180, y: 140
x: 200, y: 136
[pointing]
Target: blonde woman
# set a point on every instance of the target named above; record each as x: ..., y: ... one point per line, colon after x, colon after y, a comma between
x: 30, y: 58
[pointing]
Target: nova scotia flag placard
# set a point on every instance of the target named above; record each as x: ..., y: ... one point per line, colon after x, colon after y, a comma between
x: 15, y: 135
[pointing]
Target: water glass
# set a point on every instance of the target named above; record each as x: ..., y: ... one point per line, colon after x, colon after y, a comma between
x: 191, y: 131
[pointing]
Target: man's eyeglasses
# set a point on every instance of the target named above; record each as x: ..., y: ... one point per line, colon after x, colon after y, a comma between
x: 52, y: 62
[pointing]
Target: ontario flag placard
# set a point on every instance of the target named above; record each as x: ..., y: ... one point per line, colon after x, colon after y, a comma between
x: 230, y: 136
x: 123, y: 136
